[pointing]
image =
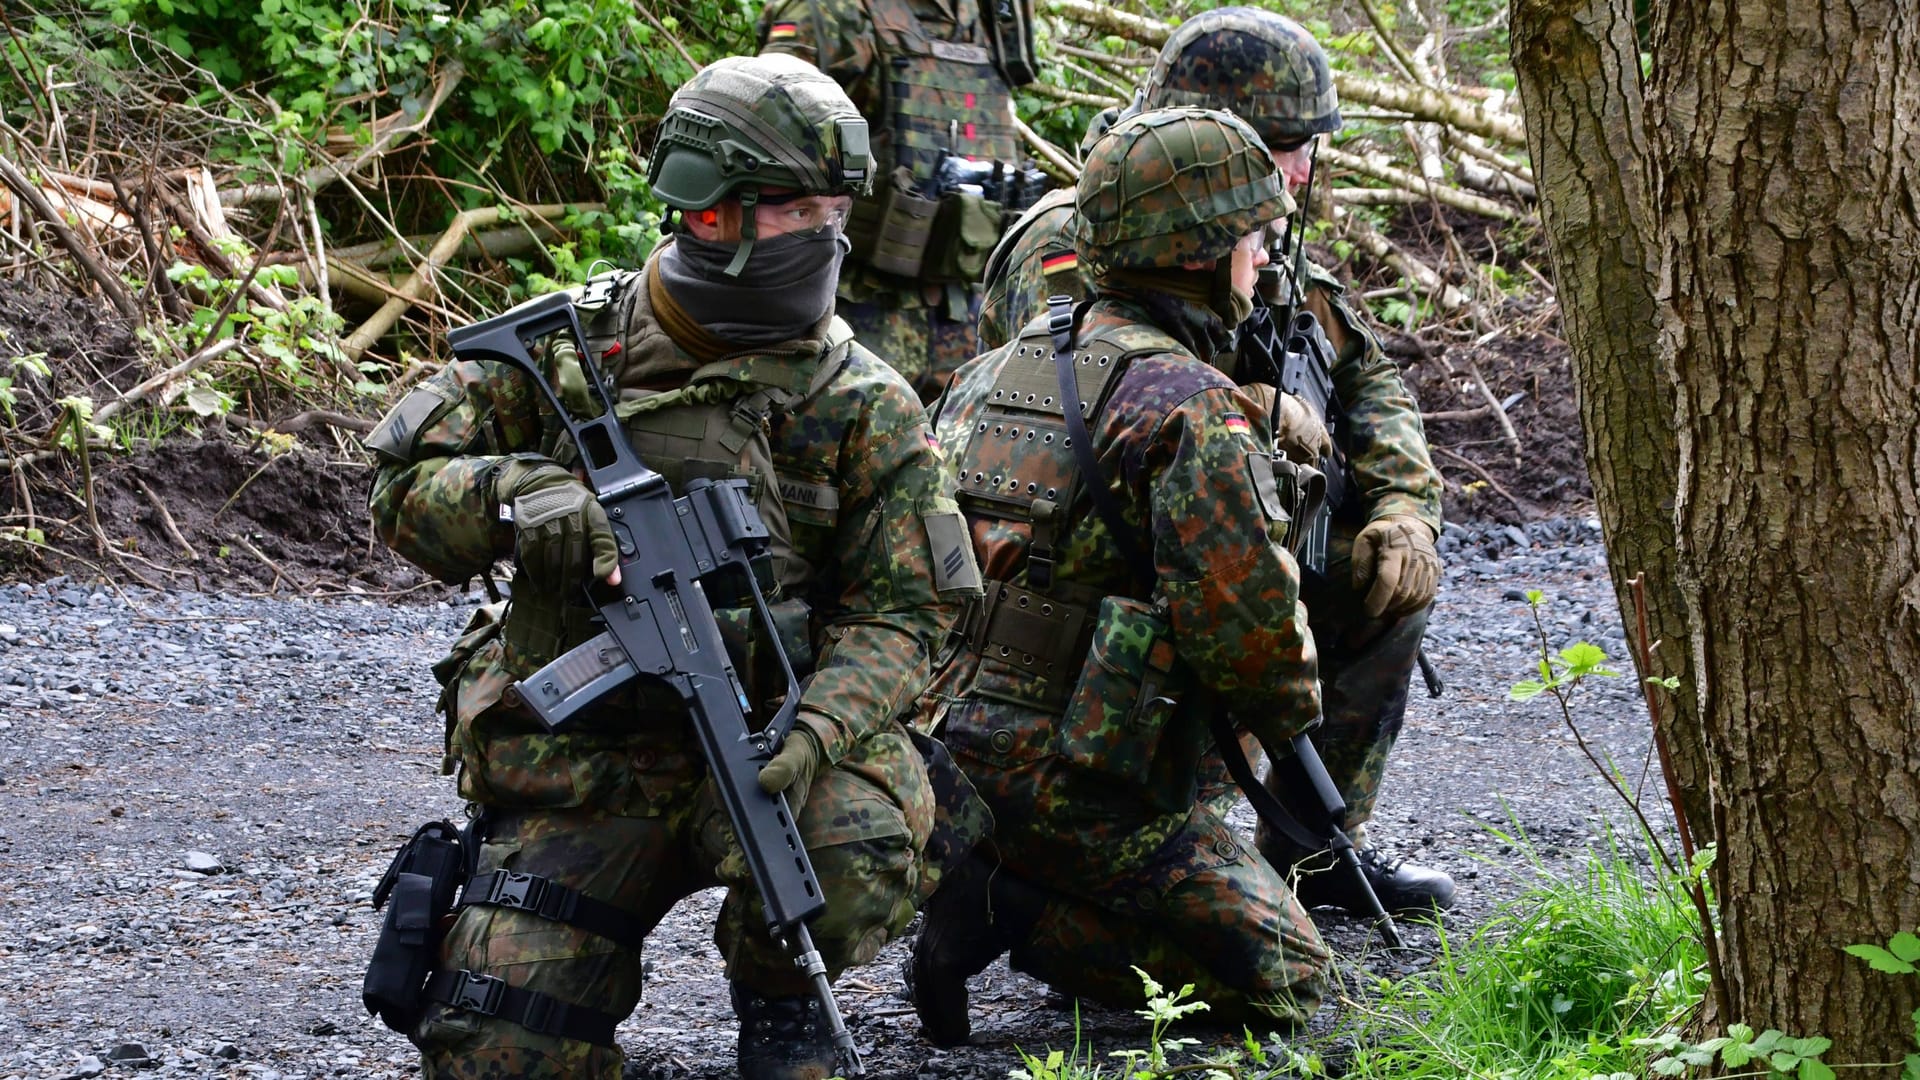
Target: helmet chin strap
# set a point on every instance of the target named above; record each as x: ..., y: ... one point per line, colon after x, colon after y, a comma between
x: 749, y: 198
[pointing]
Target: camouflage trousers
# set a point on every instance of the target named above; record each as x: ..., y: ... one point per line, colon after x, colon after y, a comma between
x: 1366, y: 666
x: 644, y: 865
x: 923, y: 341
x: 1176, y: 894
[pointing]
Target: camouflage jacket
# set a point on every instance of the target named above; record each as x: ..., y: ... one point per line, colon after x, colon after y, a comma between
x: 1384, y: 438
x: 1179, y: 448
x: 857, y: 448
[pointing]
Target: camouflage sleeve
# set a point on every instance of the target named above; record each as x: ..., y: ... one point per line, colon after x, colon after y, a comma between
x: 430, y: 500
x: 795, y: 27
x: 1233, y: 591
x: 1034, y: 260
x: 1385, y: 440
x: 903, y: 566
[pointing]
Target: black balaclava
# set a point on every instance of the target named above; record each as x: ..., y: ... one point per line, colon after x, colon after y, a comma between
x: 777, y: 294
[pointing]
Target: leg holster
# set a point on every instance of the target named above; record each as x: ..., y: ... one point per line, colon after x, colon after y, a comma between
x: 418, y: 892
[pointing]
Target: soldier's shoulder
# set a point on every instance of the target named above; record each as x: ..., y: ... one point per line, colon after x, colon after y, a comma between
x: 864, y: 384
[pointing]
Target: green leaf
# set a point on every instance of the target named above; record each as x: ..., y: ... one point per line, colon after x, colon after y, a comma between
x: 1814, y: 1070
x: 1811, y: 1046
x: 1583, y: 657
x: 1526, y: 690
x: 1881, y: 959
x: 1736, y: 1055
x: 1906, y: 946
x: 1784, y: 1060
x: 1668, y: 1066
x: 1912, y: 1069
x: 1534, y: 596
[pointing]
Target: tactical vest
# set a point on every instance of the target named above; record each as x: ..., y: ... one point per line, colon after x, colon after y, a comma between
x: 712, y: 427
x: 936, y: 96
x: 1019, y: 487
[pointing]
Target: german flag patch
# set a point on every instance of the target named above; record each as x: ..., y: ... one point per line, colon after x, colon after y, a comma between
x: 1054, y: 264
x: 1238, y: 424
x: 783, y: 30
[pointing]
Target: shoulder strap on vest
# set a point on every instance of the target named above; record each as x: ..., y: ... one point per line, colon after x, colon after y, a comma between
x: 1061, y: 318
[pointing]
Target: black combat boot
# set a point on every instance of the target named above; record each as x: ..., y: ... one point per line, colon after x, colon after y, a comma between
x: 1403, y: 888
x: 978, y: 912
x: 783, y: 1038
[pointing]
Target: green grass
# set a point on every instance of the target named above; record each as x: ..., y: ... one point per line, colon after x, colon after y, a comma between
x: 1553, y: 985
x: 1556, y: 984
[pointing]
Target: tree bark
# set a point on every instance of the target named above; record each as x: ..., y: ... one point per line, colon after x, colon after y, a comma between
x: 1786, y: 143
x: 1578, y: 65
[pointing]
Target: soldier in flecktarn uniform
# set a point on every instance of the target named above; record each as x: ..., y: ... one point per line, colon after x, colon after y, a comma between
x: 931, y: 78
x: 1121, y: 494
x: 1369, y: 605
x: 729, y: 363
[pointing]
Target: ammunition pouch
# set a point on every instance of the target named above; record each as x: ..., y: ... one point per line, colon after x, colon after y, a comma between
x: 418, y: 892
x: 890, y: 231
x: 1129, y: 688
x: 965, y: 228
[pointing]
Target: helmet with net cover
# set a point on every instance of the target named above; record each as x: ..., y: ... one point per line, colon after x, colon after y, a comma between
x: 1175, y: 187
x: 754, y: 122
x: 1262, y: 67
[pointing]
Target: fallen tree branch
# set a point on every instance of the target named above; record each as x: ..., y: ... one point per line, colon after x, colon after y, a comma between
x: 1506, y: 424
x: 492, y: 244
x: 417, y: 283
x: 301, y: 421
x: 1475, y: 413
x: 30, y: 193
x: 278, y: 571
x: 1072, y: 97
x: 1440, y: 193
x: 320, y: 176
x: 1524, y: 506
x: 1062, y: 167
x: 1424, y: 278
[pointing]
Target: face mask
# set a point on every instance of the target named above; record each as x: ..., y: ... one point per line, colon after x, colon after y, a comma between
x: 783, y: 290
x: 1232, y: 305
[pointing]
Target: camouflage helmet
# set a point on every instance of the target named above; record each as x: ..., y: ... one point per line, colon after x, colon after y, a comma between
x: 1175, y: 186
x: 1262, y: 67
x: 753, y: 122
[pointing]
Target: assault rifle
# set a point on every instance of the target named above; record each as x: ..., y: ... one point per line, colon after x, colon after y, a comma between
x: 660, y: 625
x: 1014, y: 187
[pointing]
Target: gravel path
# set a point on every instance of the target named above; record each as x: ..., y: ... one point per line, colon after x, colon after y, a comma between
x: 198, y: 792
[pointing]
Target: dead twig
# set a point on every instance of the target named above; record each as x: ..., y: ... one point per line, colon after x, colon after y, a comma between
x: 1506, y: 423
x: 279, y: 572
x: 147, y: 386
x: 300, y: 422
x: 166, y: 519
x: 647, y: 14
x: 1062, y: 167
x: 1522, y: 505
x: 1441, y: 193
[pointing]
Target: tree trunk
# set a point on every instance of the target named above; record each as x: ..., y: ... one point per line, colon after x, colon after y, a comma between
x: 1786, y: 167
x: 1578, y: 65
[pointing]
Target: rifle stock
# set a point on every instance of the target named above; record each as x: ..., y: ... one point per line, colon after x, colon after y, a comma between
x: 660, y: 624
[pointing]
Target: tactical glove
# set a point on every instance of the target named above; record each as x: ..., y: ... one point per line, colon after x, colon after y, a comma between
x: 1297, y: 429
x: 792, y: 769
x: 560, y: 530
x: 1395, y: 565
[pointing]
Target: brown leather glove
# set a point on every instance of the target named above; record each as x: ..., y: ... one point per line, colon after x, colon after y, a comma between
x: 1298, y: 430
x: 1395, y: 565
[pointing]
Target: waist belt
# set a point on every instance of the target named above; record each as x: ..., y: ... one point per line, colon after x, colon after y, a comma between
x: 489, y: 995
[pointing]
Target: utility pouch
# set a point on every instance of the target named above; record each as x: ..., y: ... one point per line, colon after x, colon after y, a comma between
x: 418, y: 892
x: 965, y: 228
x: 483, y: 626
x: 1127, y: 691
x: 890, y: 231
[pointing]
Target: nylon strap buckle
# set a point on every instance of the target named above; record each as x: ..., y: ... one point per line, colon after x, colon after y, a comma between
x: 477, y: 993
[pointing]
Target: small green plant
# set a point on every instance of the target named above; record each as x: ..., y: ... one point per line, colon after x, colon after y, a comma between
x: 33, y: 362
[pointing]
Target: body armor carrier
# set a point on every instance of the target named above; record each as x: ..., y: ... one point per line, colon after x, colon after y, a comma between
x: 1019, y: 485
x: 939, y: 98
